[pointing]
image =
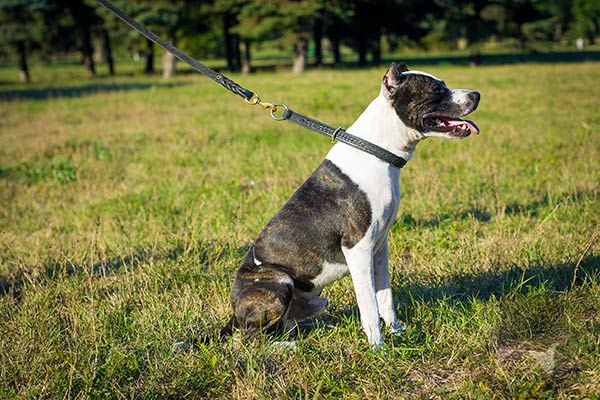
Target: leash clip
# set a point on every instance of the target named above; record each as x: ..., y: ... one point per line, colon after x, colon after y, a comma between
x: 255, y: 99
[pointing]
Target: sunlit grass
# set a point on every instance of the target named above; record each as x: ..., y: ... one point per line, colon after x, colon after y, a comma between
x: 127, y: 204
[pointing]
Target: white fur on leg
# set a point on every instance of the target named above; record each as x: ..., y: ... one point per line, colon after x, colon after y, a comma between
x: 360, y: 263
x: 383, y: 287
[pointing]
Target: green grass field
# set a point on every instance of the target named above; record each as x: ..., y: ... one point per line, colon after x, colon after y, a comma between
x: 127, y: 203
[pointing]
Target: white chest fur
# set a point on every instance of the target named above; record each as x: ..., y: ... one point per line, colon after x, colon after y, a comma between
x: 379, y: 180
x: 330, y: 273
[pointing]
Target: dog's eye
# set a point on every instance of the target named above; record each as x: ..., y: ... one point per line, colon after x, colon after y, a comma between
x: 439, y: 89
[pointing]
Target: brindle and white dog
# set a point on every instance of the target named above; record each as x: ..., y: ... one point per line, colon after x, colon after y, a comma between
x: 337, y: 222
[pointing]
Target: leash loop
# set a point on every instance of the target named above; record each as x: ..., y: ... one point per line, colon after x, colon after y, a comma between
x: 274, y: 110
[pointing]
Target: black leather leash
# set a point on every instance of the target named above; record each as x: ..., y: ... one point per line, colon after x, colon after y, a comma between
x: 336, y: 134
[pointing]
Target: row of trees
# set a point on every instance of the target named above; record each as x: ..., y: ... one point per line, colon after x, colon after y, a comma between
x: 233, y: 28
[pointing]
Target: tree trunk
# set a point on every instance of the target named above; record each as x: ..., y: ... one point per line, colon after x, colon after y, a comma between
x: 82, y: 15
x: 558, y: 31
x: 593, y: 31
x: 169, y: 59
x: 108, y: 53
x: 377, y: 48
x: 318, y: 37
x: 232, y: 45
x: 362, y: 50
x: 246, y: 64
x: 237, y: 54
x: 23, y: 68
x: 149, y: 69
x: 335, y: 48
x: 300, y: 56
x: 86, y: 47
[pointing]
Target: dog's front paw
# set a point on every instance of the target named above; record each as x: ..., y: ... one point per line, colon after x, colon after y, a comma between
x: 397, y: 328
x: 380, y: 350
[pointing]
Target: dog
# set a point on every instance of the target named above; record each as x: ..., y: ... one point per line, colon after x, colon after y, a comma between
x: 337, y: 222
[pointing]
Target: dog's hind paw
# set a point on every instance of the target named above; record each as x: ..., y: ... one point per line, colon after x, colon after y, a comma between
x: 181, y: 346
x: 191, y: 343
x: 287, y: 346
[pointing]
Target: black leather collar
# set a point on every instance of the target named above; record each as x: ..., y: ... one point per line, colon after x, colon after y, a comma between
x: 340, y: 135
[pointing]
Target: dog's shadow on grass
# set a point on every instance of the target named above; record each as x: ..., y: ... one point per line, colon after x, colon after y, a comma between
x: 204, y: 253
x: 13, y: 285
x: 482, y: 286
x: 461, y: 289
x: 532, y: 208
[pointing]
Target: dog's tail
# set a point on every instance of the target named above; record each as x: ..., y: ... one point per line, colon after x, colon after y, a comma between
x: 224, y: 333
x: 227, y: 330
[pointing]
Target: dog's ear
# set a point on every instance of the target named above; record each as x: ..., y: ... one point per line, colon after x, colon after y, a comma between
x: 402, y: 67
x: 393, y: 78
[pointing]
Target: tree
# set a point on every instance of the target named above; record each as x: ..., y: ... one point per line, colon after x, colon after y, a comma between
x: 367, y: 24
x: 333, y: 21
x: 172, y: 14
x: 586, y: 19
x: 229, y: 10
x: 466, y: 19
x: 559, y: 14
x: 85, y: 19
x: 21, y: 25
x: 289, y: 22
x: 337, y: 22
x: 164, y: 18
x: 129, y: 38
x: 110, y: 29
x: 300, y: 17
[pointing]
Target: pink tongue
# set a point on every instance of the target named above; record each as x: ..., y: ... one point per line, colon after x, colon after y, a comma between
x: 470, y: 124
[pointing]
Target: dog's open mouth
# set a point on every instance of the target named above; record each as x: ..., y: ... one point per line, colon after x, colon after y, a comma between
x: 452, y: 126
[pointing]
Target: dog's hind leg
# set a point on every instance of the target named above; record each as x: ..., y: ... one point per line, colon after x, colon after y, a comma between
x: 302, y: 308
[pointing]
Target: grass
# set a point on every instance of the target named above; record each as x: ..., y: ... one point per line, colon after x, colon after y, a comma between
x: 127, y: 204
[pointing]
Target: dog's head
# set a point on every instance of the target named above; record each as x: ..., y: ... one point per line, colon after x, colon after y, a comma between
x: 425, y: 104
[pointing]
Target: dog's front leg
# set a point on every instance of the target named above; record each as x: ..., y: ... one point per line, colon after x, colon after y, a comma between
x: 361, y: 266
x: 385, y: 299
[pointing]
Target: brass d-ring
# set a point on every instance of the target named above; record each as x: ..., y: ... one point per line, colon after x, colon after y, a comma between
x: 276, y: 108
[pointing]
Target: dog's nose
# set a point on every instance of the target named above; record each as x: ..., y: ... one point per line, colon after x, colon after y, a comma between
x: 474, y: 98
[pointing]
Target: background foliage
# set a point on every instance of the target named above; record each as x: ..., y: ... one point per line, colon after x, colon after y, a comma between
x: 306, y: 31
